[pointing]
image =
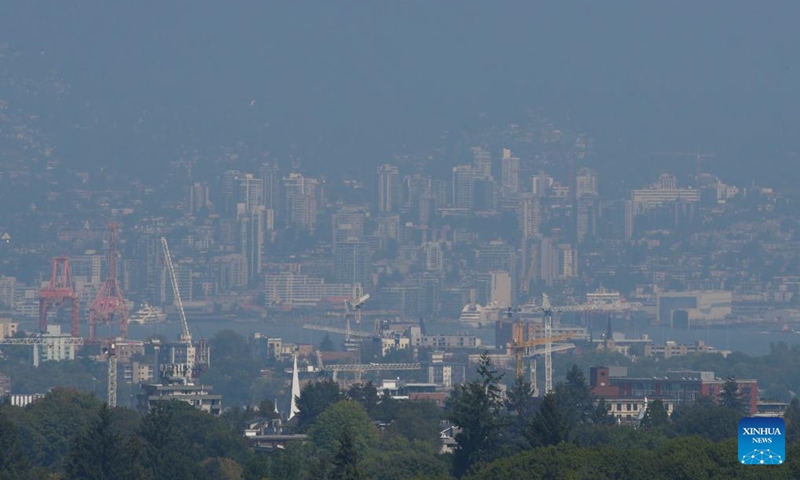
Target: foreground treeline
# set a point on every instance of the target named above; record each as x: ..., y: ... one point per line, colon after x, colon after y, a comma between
x: 358, y: 434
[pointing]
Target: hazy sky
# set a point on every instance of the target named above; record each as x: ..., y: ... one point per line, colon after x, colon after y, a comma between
x: 359, y: 78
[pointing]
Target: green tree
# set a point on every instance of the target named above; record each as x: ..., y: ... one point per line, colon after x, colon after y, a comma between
x: 730, y: 397
x: 518, y: 398
x: 600, y: 413
x: 222, y: 469
x: 344, y: 417
x: 13, y: 461
x: 404, y: 464
x: 326, y: 345
x: 548, y: 426
x: 164, y: 445
x: 292, y: 463
x: 656, y: 415
x: 417, y: 421
x: 49, y: 426
x: 101, y: 453
x: 474, y: 408
x: 792, y: 418
x: 346, y: 461
x: 266, y: 409
x: 519, y: 407
x: 314, y: 398
x: 705, y: 419
x: 574, y: 398
x: 366, y: 394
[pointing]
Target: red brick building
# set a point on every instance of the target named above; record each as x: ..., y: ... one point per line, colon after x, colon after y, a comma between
x: 679, y: 387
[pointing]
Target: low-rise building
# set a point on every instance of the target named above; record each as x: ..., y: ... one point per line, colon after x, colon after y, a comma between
x: 8, y: 328
x: 678, y: 387
x: 673, y: 349
x: 55, y: 346
x: 198, y: 396
x: 137, y: 372
x: 629, y: 410
x: 446, y: 341
x: 395, y: 342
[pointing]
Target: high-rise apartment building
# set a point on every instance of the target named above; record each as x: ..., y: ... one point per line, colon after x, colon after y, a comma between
x: 586, y: 183
x: 586, y: 217
x: 300, y: 201
x: 501, y: 293
x: 251, y: 191
x: 530, y: 215
x: 482, y: 162
x: 351, y: 263
x: 509, y: 169
x: 347, y: 225
x: 251, y: 240
x: 541, y: 184
x: 415, y: 187
x: 271, y: 183
x: 463, y: 186
x: 228, y: 193
x: 198, y: 197
x: 389, y: 193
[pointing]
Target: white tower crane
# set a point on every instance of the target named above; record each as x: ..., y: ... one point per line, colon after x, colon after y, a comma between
x: 181, y: 372
x: 354, y: 306
x: 111, y: 353
x: 548, y: 347
x: 547, y: 310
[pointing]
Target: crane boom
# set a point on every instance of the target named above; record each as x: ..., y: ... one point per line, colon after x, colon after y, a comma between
x: 352, y: 333
x: 186, y: 335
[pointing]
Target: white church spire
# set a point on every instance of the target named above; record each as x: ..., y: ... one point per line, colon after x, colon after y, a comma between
x: 295, y: 389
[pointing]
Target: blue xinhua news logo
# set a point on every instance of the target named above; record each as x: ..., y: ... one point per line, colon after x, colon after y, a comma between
x: 762, y: 441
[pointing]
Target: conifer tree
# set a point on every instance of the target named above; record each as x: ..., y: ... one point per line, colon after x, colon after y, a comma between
x: 474, y: 408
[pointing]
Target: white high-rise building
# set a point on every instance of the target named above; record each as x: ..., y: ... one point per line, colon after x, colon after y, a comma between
x: 541, y: 184
x: 389, y: 193
x: 509, y: 169
x: 347, y: 225
x: 463, y: 186
x: 251, y: 239
x: 586, y: 183
x: 530, y: 215
x: 501, y: 289
x: 433, y: 256
x: 251, y: 191
x: 482, y: 162
x: 198, y: 197
x: 300, y: 201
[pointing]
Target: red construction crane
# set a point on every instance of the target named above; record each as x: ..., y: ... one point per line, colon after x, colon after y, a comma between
x: 109, y: 304
x: 59, y: 289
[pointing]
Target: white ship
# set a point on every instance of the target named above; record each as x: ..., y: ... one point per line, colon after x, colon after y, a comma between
x: 473, y: 314
x: 147, y: 314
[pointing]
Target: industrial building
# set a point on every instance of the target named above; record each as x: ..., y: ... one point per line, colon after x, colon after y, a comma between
x: 685, y: 309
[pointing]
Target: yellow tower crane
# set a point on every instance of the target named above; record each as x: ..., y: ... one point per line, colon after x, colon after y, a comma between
x: 519, y: 345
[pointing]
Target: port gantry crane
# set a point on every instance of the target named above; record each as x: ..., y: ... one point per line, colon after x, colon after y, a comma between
x: 179, y: 372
